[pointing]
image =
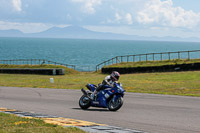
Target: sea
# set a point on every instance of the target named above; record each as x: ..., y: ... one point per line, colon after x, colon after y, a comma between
x: 85, y: 54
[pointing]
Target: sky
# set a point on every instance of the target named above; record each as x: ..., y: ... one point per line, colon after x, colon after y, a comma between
x: 178, y: 18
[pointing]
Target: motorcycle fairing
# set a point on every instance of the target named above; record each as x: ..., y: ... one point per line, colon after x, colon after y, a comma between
x: 102, y: 97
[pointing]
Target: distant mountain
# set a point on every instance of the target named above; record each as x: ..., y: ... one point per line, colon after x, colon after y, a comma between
x: 82, y: 33
x: 79, y: 32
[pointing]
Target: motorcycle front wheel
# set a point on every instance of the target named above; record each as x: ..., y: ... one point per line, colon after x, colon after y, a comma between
x: 114, y: 106
x: 84, y: 102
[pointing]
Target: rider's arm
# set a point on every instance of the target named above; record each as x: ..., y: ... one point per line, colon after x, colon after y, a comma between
x: 109, y: 81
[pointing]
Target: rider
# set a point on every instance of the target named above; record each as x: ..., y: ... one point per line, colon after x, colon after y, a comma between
x: 109, y: 80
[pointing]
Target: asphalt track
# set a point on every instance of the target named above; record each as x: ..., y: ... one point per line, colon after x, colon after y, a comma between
x: 145, y: 112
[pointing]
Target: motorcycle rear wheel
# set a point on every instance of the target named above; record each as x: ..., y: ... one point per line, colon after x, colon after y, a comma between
x: 114, y: 106
x: 84, y: 102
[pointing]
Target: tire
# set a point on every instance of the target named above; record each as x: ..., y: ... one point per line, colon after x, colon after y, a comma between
x: 84, y: 102
x: 115, y: 106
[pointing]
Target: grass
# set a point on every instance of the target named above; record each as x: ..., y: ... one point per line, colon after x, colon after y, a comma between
x: 172, y: 83
x: 153, y: 63
x: 67, y: 70
x: 12, y: 124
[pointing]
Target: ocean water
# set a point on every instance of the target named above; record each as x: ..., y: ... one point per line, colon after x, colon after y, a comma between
x: 84, y: 54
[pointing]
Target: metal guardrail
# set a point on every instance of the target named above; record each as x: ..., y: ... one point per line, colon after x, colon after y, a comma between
x: 148, y: 57
x: 115, y: 60
x: 33, y: 62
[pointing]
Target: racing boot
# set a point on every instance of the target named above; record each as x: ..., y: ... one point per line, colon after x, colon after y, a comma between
x: 93, y: 95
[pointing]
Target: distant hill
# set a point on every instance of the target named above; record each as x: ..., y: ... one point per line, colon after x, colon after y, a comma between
x: 82, y: 33
x: 79, y: 32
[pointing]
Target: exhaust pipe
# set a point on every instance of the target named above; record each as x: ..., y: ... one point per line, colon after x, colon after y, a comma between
x: 84, y: 92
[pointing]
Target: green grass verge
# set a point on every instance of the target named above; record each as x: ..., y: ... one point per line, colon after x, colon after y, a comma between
x: 173, y: 83
x: 12, y: 124
x: 153, y: 63
x: 67, y: 70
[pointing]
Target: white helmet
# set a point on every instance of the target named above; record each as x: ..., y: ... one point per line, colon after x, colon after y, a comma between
x: 115, y: 76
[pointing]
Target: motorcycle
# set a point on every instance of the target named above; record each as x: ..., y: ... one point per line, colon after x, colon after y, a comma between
x: 111, y: 98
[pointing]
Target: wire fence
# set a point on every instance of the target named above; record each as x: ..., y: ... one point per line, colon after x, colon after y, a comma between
x: 118, y: 59
x: 33, y: 62
x: 151, y: 57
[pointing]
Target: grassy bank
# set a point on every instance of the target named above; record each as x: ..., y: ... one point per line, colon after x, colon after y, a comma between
x: 153, y: 63
x: 67, y: 70
x: 173, y: 83
x: 12, y: 124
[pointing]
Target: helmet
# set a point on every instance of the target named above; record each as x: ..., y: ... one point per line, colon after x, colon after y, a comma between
x: 115, y: 76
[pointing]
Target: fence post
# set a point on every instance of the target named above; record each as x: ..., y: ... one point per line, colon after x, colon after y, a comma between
x: 146, y: 57
x: 179, y: 55
x: 169, y: 55
x: 121, y: 59
x: 161, y: 56
x: 139, y: 57
x: 96, y: 68
x: 127, y: 59
x: 133, y: 58
x: 153, y: 56
x: 188, y: 55
x: 116, y: 60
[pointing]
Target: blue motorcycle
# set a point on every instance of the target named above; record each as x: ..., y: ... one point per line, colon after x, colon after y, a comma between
x: 111, y: 98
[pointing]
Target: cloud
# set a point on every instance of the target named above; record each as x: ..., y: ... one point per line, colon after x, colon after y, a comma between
x: 128, y: 18
x: 88, y: 5
x: 163, y: 13
x: 17, y: 5
x: 117, y: 17
x: 123, y: 18
x: 138, y: 16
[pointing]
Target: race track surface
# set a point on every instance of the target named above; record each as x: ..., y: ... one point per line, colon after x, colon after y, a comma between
x: 145, y: 112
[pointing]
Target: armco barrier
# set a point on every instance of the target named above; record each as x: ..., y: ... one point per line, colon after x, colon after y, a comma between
x: 33, y: 71
x: 164, y: 68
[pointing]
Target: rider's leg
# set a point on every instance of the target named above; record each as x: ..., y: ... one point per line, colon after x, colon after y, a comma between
x: 96, y: 90
x: 93, y: 94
